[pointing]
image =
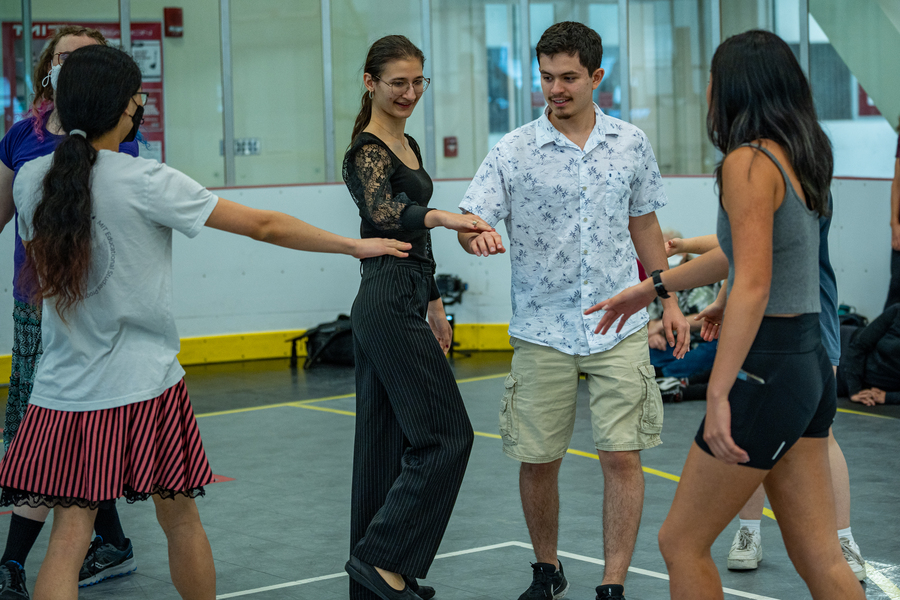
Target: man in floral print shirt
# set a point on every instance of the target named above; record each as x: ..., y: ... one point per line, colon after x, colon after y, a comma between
x: 578, y: 191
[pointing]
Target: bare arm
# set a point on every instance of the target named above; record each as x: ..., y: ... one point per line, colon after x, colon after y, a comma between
x: 284, y: 230
x: 748, y: 196
x: 646, y: 237
x: 464, y: 224
x: 895, y: 207
x: 7, y: 208
x: 694, y: 245
x: 703, y: 270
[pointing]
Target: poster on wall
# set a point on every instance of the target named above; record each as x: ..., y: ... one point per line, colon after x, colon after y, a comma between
x: 146, y: 48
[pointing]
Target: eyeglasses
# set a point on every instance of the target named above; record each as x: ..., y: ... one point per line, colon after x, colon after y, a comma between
x: 61, y: 57
x: 144, y: 97
x: 400, y: 87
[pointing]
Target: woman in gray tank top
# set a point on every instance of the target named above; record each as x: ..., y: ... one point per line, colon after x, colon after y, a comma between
x: 771, y: 396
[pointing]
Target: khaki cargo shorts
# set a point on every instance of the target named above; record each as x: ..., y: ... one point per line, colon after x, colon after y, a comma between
x: 537, y: 412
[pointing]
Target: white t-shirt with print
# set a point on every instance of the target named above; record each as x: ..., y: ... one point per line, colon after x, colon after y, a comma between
x: 119, y: 345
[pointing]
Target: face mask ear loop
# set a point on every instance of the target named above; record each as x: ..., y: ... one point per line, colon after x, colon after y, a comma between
x: 45, y: 80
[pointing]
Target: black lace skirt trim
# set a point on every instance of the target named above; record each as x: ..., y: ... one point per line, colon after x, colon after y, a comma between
x: 15, y: 497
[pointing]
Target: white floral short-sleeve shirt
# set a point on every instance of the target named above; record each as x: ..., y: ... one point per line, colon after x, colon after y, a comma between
x: 567, y: 212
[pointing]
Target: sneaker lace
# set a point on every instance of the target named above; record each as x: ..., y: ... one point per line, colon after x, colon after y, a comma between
x: 542, y: 581
x: 96, y: 544
x: 745, y: 539
x: 849, y: 553
x: 12, y: 579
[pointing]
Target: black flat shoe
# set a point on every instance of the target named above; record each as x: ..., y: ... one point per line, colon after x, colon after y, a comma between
x: 366, y: 575
x: 424, y: 592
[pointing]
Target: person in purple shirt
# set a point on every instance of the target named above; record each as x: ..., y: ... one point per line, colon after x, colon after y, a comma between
x: 37, y: 135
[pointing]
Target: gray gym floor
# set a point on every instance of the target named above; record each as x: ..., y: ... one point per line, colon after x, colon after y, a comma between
x: 279, y: 526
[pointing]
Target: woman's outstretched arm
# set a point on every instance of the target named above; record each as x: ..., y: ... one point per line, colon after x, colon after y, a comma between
x: 284, y: 230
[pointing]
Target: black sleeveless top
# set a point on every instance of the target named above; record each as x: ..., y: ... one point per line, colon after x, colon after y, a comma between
x: 392, y: 198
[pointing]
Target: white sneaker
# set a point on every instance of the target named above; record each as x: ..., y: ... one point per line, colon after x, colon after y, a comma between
x: 853, y: 558
x: 746, y: 550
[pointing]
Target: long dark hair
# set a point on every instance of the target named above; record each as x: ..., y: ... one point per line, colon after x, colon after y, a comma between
x: 760, y: 92
x: 96, y: 85
x: 383, y: 51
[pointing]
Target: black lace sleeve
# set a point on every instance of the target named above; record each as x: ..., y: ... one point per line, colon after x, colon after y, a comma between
x: 367, y: 172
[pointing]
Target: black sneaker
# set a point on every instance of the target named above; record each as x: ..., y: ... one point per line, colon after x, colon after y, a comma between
x: 104, y: 561
x: 611, y: 592
x: 548, y: 583
x: 12, y: 581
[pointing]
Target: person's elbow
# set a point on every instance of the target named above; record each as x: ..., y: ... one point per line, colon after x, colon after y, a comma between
x: 753, y: 288
x: 263, y: 226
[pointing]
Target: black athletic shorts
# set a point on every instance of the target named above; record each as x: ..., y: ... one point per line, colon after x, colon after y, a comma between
x: 798, y: 398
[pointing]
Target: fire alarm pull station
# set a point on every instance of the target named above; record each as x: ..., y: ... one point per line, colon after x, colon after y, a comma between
x: 173, y: 21
x: 451, y: 147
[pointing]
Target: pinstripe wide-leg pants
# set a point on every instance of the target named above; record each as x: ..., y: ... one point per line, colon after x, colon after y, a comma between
x: 413, y: 435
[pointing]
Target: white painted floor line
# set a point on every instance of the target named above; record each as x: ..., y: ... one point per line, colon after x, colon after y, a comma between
x: 887, y: 586
x: 336, y: 575
x: 481, y: 549
x: 587, y: 559
x: 280, y: 586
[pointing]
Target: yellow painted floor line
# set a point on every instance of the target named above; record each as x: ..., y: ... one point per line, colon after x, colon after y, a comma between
x: 886, y: 585
x: 482, y: 378
x: 243, y: 410
x: 325, y: 399
x: 865, y: 414
x: 324, y: 409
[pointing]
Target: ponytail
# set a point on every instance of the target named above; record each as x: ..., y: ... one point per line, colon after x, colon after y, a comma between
x: 383, y: 51
x: 364, y: 116
x: 96, y: 86
x: 60, y: 252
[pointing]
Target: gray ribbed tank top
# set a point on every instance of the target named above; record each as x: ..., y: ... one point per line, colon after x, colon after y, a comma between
x: 795, y: 252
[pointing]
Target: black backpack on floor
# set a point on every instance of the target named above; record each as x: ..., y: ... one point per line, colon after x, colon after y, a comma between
x: 327, y: 343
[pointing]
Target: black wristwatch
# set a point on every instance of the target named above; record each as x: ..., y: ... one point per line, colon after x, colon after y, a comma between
x: 658, y: 284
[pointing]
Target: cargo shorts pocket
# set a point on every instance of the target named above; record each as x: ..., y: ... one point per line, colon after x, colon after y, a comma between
x: 509, y: 428
x: 652, y: 406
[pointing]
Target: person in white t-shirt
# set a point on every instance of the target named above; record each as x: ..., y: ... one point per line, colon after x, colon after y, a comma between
x: 109, y: 413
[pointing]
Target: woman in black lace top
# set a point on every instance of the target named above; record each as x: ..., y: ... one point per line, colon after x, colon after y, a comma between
x: 413, y: 435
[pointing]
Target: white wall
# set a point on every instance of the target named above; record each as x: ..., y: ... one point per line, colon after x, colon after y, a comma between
x: 225, y: 284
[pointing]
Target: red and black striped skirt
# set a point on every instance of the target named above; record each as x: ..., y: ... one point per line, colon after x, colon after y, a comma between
x: 62, y: 458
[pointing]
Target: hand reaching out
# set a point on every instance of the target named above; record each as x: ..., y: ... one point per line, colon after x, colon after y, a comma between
x: 370, y: 247
x: 675, y: 246
x: 711, y: 316
x: 623, y: 305
x: 465, y: 223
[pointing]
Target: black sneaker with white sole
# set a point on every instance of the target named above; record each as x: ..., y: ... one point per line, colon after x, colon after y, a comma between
x: 548, y: 583
x: 12, y: 581
x: 104, y: 561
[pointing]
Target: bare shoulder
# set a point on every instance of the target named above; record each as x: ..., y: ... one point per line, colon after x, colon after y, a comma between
x: 749, y: 162
x: 750, y: 178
